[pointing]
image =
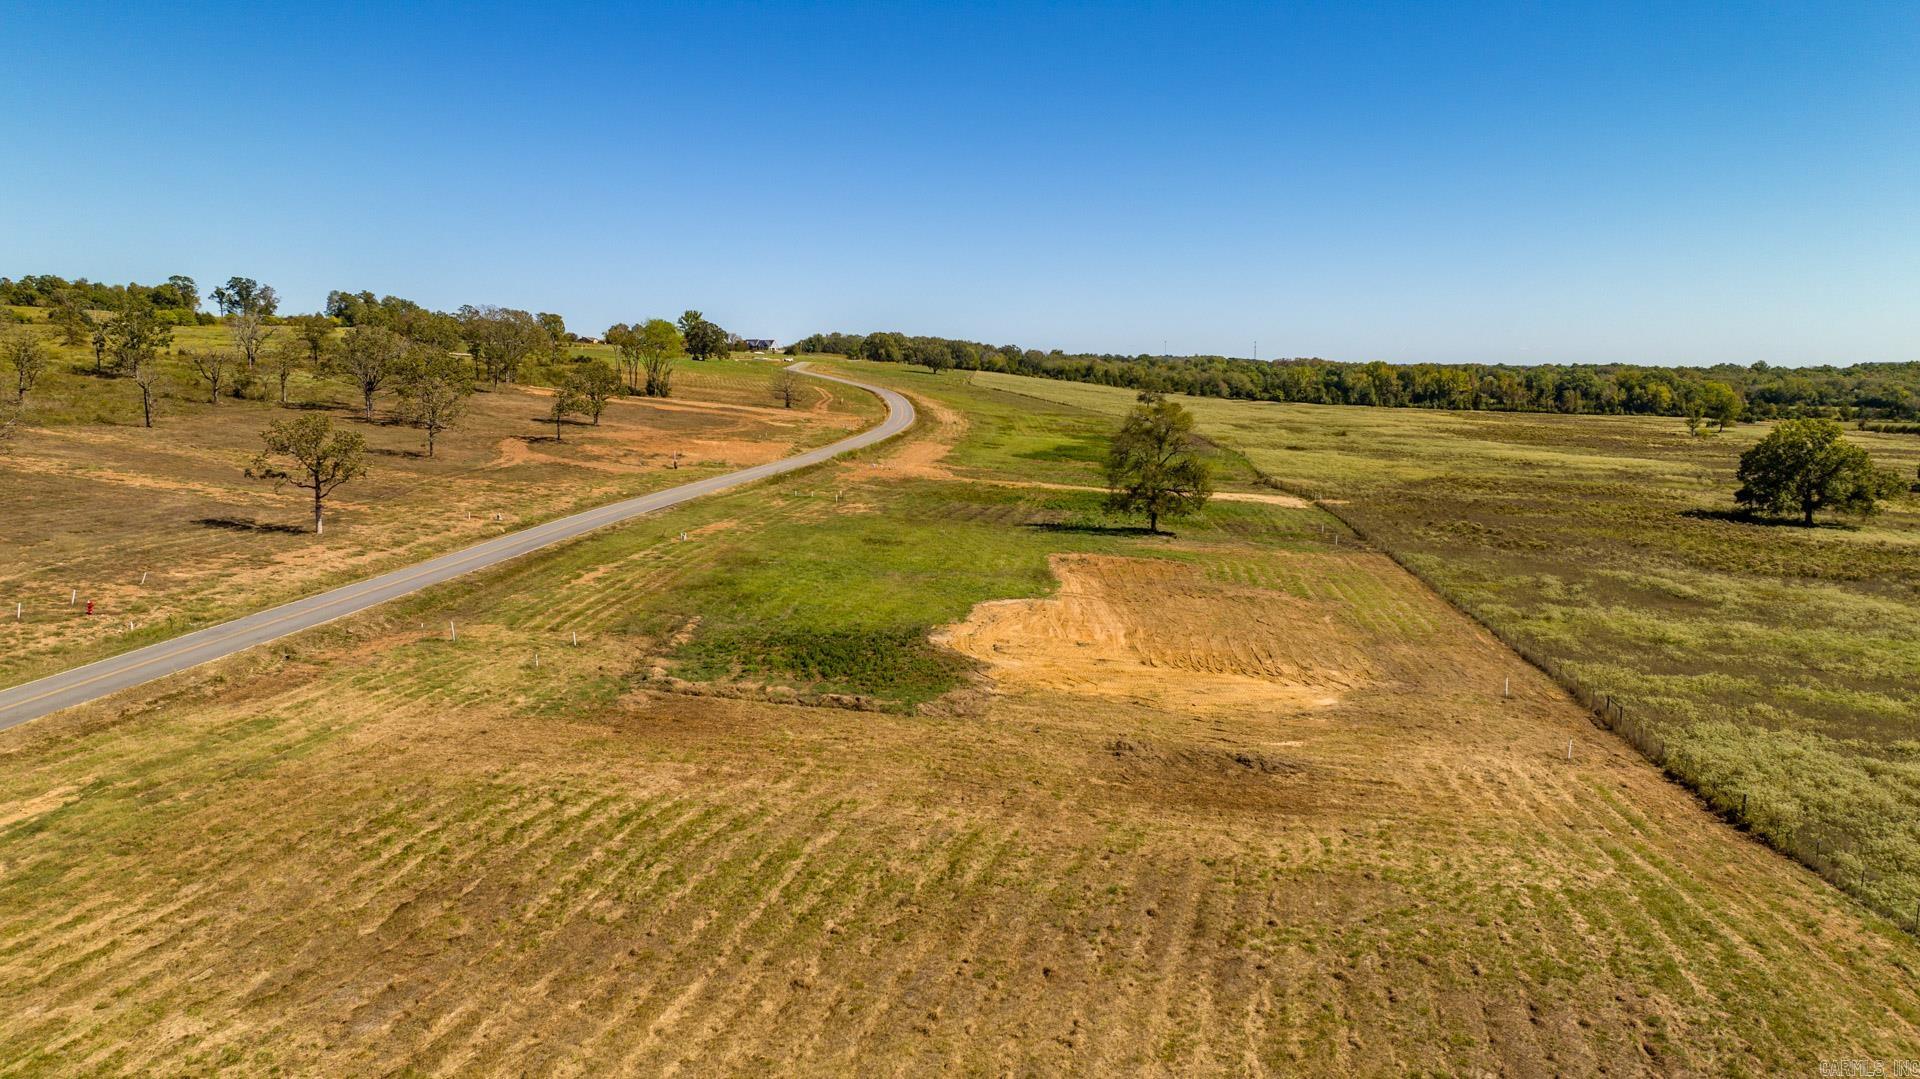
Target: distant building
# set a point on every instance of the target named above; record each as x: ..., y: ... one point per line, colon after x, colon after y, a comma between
x: 757, y: 344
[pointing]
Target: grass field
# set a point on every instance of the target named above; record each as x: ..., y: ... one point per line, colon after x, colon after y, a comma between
x: 1774, y: 667
x: 161, y: 529
x: 1245, y: 800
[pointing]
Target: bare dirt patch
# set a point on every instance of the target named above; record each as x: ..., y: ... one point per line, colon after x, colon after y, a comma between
x: 922, y: 457
x: 1150, y: 631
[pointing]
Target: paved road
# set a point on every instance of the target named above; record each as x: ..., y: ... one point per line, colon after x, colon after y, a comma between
x: 82, y: 684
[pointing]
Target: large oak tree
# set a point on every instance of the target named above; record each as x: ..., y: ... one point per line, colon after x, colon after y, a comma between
x: 308, y: 453
x: 1804, y: 467
x: 1153, y: 466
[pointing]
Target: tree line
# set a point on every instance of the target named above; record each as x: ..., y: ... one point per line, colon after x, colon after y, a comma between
x: 179, y: 294
x: 1721, y: 394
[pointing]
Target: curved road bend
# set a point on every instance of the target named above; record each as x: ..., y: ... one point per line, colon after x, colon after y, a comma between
x: 82, y: 684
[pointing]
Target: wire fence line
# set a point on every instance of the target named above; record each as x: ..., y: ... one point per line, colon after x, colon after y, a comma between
x: 1829, y: 850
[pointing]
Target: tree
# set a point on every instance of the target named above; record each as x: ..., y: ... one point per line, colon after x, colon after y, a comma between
x: 212, y: 366
x: 786, y: 386
x: 1151, y: 466
x: 1805, y: 466
x: 433, y: 391
x: 185, y: 292
x: 285, y: 358
x: 555, y: 328
x: 593, y: 385
x: 321, y: 459
x: 99, y: 339
x: 566, y: 402
x: 249, y: 331
x: 244, y: 295
x: 70, y: 317
x: 1719, y: 403
x: 501, y: 338
x: 703, y: 339
x: 883, y: 347
x: 27, y: 355
x: 371, y: 356
x: 134, y: 337
x: 934, y: 357
x: 314, y: 331
x: 144, y: 368
x: 660, y: 342
x: 627, y: 343
x: 348, y: 306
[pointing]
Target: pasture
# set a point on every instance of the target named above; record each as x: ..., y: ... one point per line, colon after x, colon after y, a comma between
x: 912, y: 762
x: 1772, y: 667
x: 163, y: 531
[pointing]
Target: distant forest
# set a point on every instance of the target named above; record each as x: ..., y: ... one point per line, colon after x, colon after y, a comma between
x: 1883, y: 391
x: 178, y: 296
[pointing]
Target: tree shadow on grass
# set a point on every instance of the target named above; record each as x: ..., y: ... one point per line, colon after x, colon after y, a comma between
x: 248, y: 524
x: 1082, y: 528
x: 382, y: 451
x: 1748, y: 517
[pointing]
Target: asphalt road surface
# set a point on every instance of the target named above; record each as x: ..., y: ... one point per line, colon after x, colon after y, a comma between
x: 82, y: 684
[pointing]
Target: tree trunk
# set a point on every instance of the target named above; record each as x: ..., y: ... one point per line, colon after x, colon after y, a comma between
x: 146, y: 405
x: 1153, y: 522
x: 1808, y: 508
x: 319, y: 524
x: 368, y: 394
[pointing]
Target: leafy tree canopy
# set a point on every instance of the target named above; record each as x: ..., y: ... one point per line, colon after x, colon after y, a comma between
x: 1152, y: 465
x: 703, y: 339
x: 1804, y: 467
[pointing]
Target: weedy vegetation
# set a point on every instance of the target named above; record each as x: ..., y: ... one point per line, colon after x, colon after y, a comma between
x: 1768, y: 666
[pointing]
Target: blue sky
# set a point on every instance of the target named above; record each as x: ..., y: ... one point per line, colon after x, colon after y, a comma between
x: 1521, y: 183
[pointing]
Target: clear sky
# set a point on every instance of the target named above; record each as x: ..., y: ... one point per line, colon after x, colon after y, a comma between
x: 1665, y: 183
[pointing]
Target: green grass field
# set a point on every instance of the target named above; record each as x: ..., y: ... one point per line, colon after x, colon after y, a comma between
x: 1774, y: 667
x: 826, y: 594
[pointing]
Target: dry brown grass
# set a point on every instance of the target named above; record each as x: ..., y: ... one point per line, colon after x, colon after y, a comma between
x: 1218, y: 806
x: 93, y: 508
